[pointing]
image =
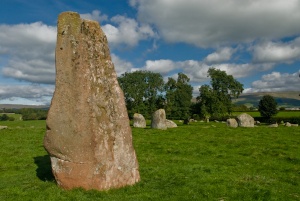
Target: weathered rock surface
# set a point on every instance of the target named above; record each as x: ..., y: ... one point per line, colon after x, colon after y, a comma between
x: 232, y: 123
x: 159, y: 119
x: 170, y: 124
x: 88, y: 135
x: 245, y: 120
x: 139, y: 121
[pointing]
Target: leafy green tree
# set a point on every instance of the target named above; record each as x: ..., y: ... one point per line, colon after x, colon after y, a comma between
x: 267, y: 107
x: 216, y: 100
x: 178, y: 97
x: 142, y: 91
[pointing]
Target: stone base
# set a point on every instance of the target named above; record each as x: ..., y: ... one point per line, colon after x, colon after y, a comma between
x: 71, y: 175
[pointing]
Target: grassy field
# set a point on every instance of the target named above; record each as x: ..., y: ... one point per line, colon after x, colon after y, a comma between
x: 201, y: 161
x: 279, y: 114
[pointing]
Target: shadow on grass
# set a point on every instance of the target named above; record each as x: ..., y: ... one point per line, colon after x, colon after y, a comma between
x: 44, y: 171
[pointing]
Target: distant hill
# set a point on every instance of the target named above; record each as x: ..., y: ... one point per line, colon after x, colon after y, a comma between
x: 284, y: 99
x: 14, y: 106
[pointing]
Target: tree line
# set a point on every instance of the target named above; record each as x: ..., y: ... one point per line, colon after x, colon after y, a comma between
x: 26, y: 113
x: 146, y: 92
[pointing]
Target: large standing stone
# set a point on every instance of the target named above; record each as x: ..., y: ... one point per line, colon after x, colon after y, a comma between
x: 139, y: 121
x: 232, y: 123
x: 245, y: 120
x: 88, y: 136
x: 159, y: 120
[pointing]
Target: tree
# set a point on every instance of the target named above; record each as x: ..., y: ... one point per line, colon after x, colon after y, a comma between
x: 178, y: 97
x: 267, y: 107
x: 4, y: 117
x: 216, y: 100
x: 141, y: 90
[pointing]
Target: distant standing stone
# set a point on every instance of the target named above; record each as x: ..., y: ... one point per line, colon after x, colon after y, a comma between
x: 288, y: 124
x: 170, y: 124
x: 245, y: 120
x: 232, y: 123
x: 139, y: 121
x: 273, y: 125
x: 3, y: 127
x: 88, y: 135
x: 159, y: 120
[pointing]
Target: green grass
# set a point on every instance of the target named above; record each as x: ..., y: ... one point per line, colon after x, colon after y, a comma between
x: 199, y: 161
x: 279, y: 114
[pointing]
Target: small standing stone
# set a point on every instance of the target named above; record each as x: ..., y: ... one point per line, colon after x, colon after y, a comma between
x: 288, y: 124
x: 245, y: 120
x: 273, y: 125
x: 232, y: 123
x: 170, y: 124
x: 139, y: 121
x: 159, y: 120
x: 3, y: 127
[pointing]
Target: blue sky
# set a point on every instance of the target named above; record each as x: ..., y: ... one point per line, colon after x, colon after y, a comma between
x: 256, y: 41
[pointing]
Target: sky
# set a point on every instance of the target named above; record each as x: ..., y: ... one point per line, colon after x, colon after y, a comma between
x: 256, y: 41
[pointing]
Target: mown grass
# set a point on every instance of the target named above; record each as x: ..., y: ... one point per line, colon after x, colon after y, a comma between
x: 199, y: 161
x: 279, y: 114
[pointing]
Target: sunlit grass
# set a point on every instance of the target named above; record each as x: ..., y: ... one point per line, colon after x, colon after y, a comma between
x: 279, y: 114
x: 199, y: 161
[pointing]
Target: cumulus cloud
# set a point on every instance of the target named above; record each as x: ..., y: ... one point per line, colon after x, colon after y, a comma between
x: 162, y: 66
x: 210, y: 23
x: 121, y: 66
x: 36, y: 93
x: 276, y: 81
x: 277, y: 52
x: 29, y: 49
x: 126, y: 31
x: 197, y: 70
x: 95, y: 15
x: 221, y: 55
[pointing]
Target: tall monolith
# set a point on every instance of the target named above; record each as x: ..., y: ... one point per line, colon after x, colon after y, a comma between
x: 88, y: 135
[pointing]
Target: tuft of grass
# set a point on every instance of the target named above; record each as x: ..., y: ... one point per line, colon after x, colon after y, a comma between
x: 200, y: 161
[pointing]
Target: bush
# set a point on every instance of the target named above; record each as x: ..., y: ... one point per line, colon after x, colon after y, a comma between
x: 267, y: 107
x: 4, y: 117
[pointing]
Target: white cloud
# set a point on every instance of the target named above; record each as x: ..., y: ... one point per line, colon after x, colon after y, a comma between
x: 162, y: 66
x: 197, y: 70
x: 121, y: 66
x: 277, y: 52
x: 221, y: 55
x: 276, y: 81
x: 127, y: 31
x: 210, y: 23
x: 29, y: 49
x: 32, y: 93
x: 95, y: 15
